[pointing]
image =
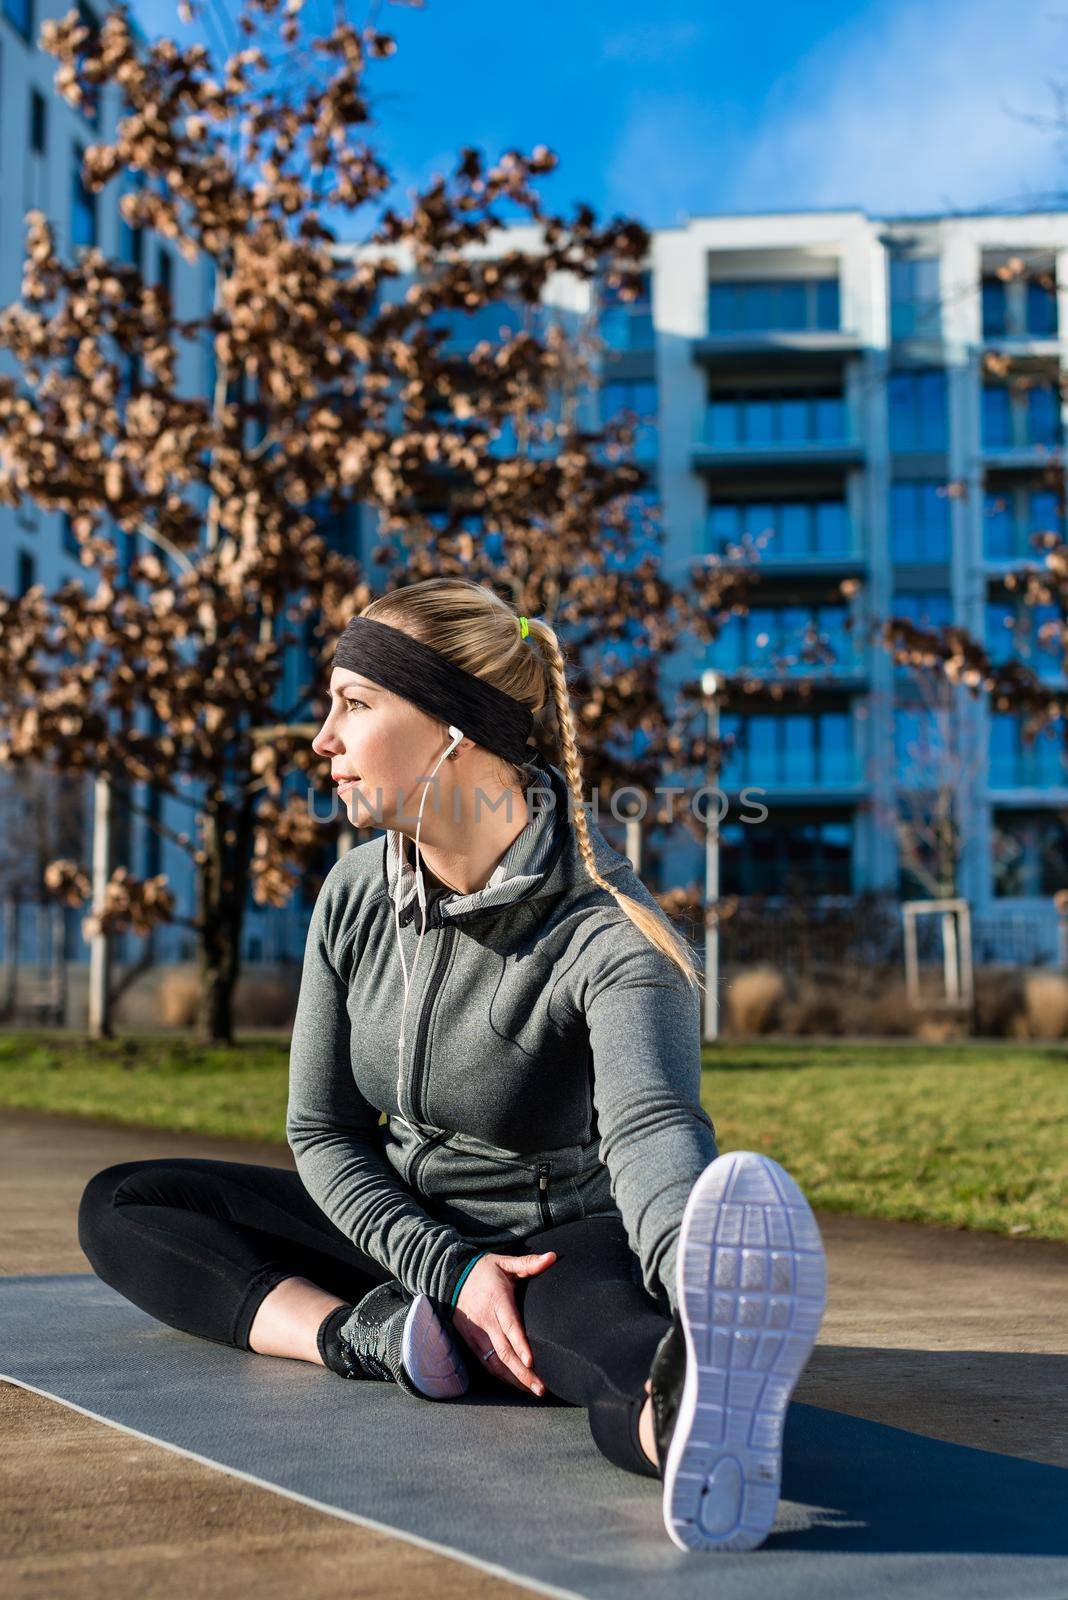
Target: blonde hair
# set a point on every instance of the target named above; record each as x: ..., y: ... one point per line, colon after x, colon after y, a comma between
x: 473, y: 627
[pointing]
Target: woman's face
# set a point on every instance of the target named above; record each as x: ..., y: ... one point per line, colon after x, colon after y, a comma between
x: 380, y: 748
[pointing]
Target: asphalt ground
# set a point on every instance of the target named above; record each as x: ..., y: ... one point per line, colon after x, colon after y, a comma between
x: 956, y: 1336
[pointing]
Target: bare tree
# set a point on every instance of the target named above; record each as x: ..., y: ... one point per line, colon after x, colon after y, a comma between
x: 335, y: 387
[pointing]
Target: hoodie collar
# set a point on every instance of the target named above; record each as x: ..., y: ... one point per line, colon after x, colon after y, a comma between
x: 541, y: 860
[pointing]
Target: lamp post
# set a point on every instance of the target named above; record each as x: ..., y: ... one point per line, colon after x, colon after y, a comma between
x: 709, y: 688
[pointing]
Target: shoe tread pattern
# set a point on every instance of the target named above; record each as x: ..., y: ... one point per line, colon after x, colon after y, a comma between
x: 751, y: 1282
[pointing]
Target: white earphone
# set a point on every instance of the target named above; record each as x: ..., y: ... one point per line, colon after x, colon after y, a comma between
x: 420, y: 888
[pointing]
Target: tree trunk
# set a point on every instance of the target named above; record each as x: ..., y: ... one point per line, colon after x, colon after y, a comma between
x: 222, y: 890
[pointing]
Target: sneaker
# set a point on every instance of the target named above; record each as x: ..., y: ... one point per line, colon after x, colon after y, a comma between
x: 751, y: 1286
x: 397, y: 1337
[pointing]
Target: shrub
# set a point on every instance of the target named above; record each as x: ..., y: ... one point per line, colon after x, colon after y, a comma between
x: 755, y: 999
x: 1046, y: 1005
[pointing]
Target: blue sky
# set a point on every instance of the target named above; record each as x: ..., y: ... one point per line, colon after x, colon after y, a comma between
x: 670, y: 110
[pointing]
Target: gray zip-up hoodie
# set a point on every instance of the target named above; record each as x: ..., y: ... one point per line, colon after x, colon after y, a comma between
x: 551, y: 1067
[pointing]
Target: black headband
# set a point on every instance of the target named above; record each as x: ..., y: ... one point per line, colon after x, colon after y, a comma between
x: 392, y: 658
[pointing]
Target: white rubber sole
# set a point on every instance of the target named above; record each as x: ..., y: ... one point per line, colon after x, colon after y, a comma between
x: 430, y: 1355
x: 751, y: 1285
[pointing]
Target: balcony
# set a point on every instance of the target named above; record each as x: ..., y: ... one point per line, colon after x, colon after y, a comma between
x: 785, y: 537
x: 1021, y: 428
x: 791, y: 643
x: 1012, y: 516
x: 800, y: 436
x: 791, y: 320
x: 1018, y: 768
x: 801, y: 757
x: 1020, y: 315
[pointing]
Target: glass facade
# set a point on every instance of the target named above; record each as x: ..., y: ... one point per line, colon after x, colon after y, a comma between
x: 915, y: 309
x: 20, y: 15
x: 773, y: 305
x: 787, y: 857
x: 920, y: 749
x: 927, y: 608
x: 1019, y: 308
x: 1015, y: 764
x: 1012, y: 633
x: 920, y: 527
x: 790, y: 749
x: 775, y: 640
x: 810, y: 416
x: 1028, y: 417
x: 38, y: 122
x: 627, y: 324
x: 639, y: 399
x: 82, y: 206
x: 1030, y: 850
x: 1012, y: 516
x: 27, y: 572
x: 794, y: 528
x: 918, y: 411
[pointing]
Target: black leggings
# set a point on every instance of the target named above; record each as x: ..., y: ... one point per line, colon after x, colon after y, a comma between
x: 199, y: 1244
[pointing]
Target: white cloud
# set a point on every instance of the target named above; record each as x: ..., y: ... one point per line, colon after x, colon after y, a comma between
x: 915, y: 107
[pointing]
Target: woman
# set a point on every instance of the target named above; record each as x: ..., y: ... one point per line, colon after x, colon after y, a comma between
x: 545, y: 1197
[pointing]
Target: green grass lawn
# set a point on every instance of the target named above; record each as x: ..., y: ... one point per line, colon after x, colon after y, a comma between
x: 967, y: 1136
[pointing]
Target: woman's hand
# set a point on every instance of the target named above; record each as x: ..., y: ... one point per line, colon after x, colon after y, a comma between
x: 485, y: 1315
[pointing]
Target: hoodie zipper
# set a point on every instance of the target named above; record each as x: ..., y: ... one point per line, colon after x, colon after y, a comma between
x: 417, y: 1082
x: 543, y: 1193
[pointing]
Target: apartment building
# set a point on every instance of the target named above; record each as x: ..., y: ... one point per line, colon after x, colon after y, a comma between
x: 42, y: 141
x: 816, y: 400
x: 821, y: 388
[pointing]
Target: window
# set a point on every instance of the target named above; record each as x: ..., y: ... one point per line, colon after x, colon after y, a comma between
x: 165, y: 270
x: 639, y: 398
x: 627, y: 324
x: 90, y: 107
x: 131, y: 240
x: 1042, y: 308
x: 38, y: 122
x: 917, y: 410
x: 927, y: 608
x: 773, y: 305
x: 914, y: 297
x: 918, y: 747
x: 1011, y: 517
x: 1015, y: 764
x: 775, y: 418
x: 791, y: 639
x: 83, y: 206
x: 997, y: 416
x: 919, y: 521
x: 27, y: 569
x: 787, y: 857
x: 1012, y: 634
x: 931, y: 609
x: 795, y: 528
x: 496, y: 322
x: 1042, y: 409
x: 1020, y: 419
x: 20, y: 15
x: 777, y: 750
x: 995, y: 307
x: 1020, y: 307
x: 1030, y: 853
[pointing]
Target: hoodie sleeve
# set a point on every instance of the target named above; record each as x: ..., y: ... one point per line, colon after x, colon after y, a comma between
x: 644, y: 1024
x: 334, y: 1134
